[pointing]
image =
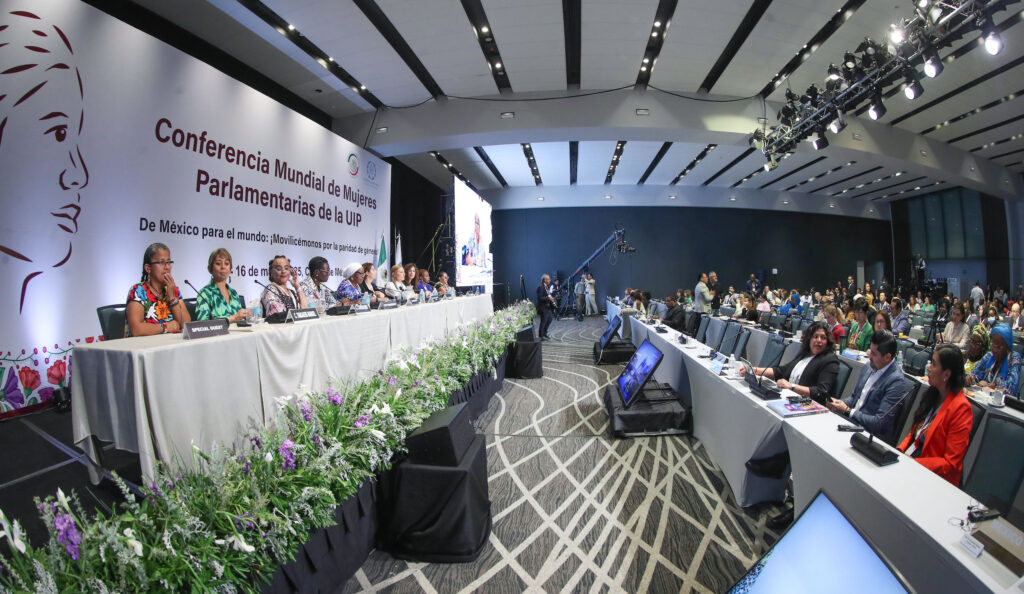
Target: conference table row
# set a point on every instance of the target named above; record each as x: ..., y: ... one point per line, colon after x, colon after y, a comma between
x: 160, y: 395
x: 910, y: 514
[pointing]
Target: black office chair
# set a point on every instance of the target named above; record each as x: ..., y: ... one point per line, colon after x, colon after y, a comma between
x: 691, y: 320
x: 773, y: 351
x: 190, y: 305
x: 979, y: 414
x: 909, y: 401
x: 730, y: 335
x: 998, y: 469
x: 842, y: 377
x: 702, y: 329
x: 111, y: 320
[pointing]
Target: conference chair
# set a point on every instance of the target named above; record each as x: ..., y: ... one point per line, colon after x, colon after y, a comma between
x: 915, y: 360
x: 998, y: 469
x: 727, y: 311
x: 909, y: 403
x: 773, y: 351
x: 741, y: 342
x: 1018, y: 347
x: 929, y: 335
x: 730, y: 336
x: 190, y: 305
x: 777, y: 321
x: 902, y: 344
x: 842, y: 377
x: 979, y: 413
x: 690, y: 321
x: 765, y: 318
x: 111, y: 320
x: 702, y: 328
x: 714, y: 334
x: 916, y: 332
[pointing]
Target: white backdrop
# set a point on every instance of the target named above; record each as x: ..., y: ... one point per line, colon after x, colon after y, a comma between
x: 111, y: 140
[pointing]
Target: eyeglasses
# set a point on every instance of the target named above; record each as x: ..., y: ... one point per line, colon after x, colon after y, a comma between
x: 162, y: 263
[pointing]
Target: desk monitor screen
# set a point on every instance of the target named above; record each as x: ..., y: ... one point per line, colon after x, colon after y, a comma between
x: 613, y: 327
x: 795, y: 563
x: 639, y: 369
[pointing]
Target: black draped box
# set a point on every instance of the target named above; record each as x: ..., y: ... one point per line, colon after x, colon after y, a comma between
x: 616, y: 351
x: 525, y: 360
x: 436, y: 514
x: 333, y: 554
x: 481, y: 386
x: 643, y: 418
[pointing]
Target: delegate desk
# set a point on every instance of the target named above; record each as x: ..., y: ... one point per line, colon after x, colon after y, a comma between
x: 905, y: 509
x: 157, y: 395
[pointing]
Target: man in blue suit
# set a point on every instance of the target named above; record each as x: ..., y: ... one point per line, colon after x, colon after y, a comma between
x: 879, y: 389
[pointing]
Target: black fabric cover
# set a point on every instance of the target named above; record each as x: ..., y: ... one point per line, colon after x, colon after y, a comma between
x: 436, y: 514
x: 645, y: 418
x: 616, y: 351
x: 332, y: 555
x: 525, y: 360
x: 481, y: 386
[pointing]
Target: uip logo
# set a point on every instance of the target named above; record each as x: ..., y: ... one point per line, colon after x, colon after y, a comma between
x: 353, y: 164
x: 371, y: 170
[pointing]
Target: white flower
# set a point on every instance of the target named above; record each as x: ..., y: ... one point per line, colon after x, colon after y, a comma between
x: 12, y: 532
x: 63, y: 500
x: 283, y: 401
x: 136, y: 545
x: 376, y: 433
x: 269, y: 457
x: 239, y: 544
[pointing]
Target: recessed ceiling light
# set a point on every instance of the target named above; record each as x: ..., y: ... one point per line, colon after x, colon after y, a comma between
x: 508, y: 115
x: 642, y: 111
x: 291, y: 27
x: 329, y: 59
x: 497, y: 65
x: 382, y: 130
x: 732, y: 198
x: 785, y: 201
x: 362, y: 87
x: 484, y: 29
x: 672, y: 197
x: 654, y: 33
x: 643, y: 69
x: 831, y: 205
x: 871, y: 210
x: 541, y: 198
x: 647, y: 60
x: 607, y: 196
x: 657, y: 23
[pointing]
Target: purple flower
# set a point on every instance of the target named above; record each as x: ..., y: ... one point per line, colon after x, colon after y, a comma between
x: 362, y: 421
x: 155, y: 489
x: 307, y: 410
x: 67, y: 534
x: 334, y: 396
x: 11, y: 393
x: 256, y: 443
x: 393, y: 380
x: 288, y: 453
x: 247, y: 468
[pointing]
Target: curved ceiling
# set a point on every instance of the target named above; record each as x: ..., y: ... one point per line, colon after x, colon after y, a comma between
x: 425, y: 82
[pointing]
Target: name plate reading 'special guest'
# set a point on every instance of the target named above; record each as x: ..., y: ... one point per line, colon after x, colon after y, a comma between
x: 390, y: 304
x: 301, y: 315
x: 205, y: 328
x: 361, y: 308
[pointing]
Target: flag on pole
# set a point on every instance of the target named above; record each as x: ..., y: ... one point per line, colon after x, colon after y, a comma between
x: 383, y: 270
x: 398, y: 249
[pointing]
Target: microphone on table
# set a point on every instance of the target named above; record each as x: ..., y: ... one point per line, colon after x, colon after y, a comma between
x: 193, y: 286
x: 260, y: 284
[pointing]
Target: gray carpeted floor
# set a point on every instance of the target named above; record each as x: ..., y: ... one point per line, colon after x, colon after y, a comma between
x: 577, y: 511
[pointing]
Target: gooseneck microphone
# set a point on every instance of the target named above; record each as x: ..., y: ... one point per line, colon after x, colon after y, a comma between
x: 260, y: 284
x: 866, y: 446
x: 192, y: 286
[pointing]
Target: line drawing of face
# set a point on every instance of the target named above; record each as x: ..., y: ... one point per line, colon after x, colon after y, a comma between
x: 41, y: 164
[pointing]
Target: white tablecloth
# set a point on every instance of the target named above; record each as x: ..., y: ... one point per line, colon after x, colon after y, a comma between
x: 157, y: 395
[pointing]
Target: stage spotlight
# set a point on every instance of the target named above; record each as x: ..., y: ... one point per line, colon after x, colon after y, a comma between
x: 791, y: 96
x: 993, y: 43
x: 771, y: 163
x: 839, y: 123
x: 849, y: 60
x: 834, y: 72
x: 913, y: 88
x: 896, y: 34
x: 821, y: 141
x: 932, y: 62
x: 757, y: 139
x: 877, y: 109
x: 868, y: 46
x: 786, y: 115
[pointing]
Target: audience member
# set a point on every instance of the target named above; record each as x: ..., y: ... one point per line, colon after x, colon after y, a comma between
x: 702, y: 295
x: 1000, y: 367
x: 900, y: 317
x: 154, y: 305
x: 957, y: 331
x: 832, y: 321
x: 348, y: 292
x: 812, y: 373
x: 861, y: 330
x: 545, y: 306
x: 941, y: 429
x: 882, y: 321
x: 877, y: 391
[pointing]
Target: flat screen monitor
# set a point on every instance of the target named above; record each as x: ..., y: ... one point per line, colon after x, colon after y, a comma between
x: 609, y: 332
x: 474, y: 264
x: 640, y: 368
x: 794, y: 564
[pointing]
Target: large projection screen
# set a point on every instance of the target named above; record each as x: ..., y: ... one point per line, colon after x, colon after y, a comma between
x: 474, y: 264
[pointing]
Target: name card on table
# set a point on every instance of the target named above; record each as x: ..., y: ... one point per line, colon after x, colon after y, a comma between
x: 716, y: 366
x: 389, y: 304
x: 361, y: 308
x: 205, y: 328
x: 301, y: 315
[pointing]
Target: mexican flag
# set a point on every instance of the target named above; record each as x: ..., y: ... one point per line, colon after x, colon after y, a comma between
x: 383, y: 270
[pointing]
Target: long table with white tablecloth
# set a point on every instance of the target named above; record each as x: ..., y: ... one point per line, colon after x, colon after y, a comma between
x: 158, y: 395
x: 906, y: 510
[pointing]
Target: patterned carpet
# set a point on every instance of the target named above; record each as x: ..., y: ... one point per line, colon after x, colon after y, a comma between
x: 577, y: 511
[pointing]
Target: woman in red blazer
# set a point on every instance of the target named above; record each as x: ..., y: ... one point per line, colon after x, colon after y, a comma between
x: 942, y: 424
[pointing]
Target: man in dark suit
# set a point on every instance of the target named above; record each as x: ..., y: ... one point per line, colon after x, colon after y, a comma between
x: 881, y: 387
x: 545, y: 306
x: 675, y: 315
x: 753, y: 285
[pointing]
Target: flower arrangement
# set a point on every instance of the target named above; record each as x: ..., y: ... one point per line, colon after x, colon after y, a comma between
x: 227, y: 525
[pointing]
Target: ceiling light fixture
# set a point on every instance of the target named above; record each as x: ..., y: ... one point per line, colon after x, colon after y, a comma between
x: 508, y: 115
x: 877, y: 109
x: 672, y: 197
x: 643, y: 111
x: 932, y: 63
x: 913, y: 88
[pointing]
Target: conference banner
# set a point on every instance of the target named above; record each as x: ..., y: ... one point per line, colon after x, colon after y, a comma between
x: 111, y: 140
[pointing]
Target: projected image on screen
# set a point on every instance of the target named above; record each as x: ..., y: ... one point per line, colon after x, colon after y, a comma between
x: 474, y: 265
x: 795, y: 564
x: 639, y: 369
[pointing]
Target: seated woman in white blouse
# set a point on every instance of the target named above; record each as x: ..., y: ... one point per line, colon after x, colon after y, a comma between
x: 396, y: 287
x: 813, y: 372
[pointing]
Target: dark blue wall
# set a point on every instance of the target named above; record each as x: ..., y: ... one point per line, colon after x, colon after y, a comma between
x: 674, y: 244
